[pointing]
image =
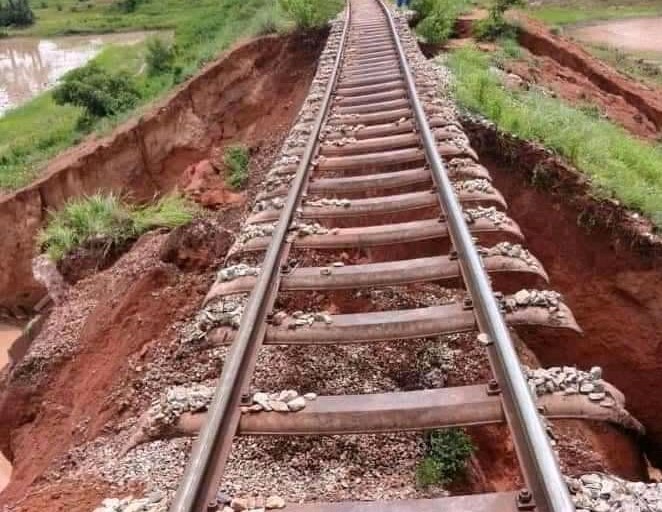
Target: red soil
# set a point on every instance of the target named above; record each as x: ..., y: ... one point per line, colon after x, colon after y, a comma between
x: 128, y: 311
x: 601, y: 260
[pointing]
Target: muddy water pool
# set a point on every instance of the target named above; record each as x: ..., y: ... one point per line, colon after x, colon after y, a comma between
x: 29, y: 66
x: 8, y: 333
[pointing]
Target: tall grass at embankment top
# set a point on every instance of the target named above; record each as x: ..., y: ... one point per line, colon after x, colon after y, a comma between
x: 618, y: 163
x: 36, y: 131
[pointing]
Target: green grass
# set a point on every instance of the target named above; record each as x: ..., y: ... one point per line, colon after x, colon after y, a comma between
x: 566, y: 13
x: 446, y: 455
x: 437, y: 18
x: 619, y: 164
x: 35, y: 132
x: 236, y: 159
x: 110, y: 220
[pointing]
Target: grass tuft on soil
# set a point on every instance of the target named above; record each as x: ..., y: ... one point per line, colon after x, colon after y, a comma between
x: 109, y: 219
x: 236, y: 159
x: 619, y: 164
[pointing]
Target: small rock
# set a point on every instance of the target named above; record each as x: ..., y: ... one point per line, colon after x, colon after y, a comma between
x: 238, y: 504
x: 310, y: 396
x: 275, y: 502
x: 297, y: 404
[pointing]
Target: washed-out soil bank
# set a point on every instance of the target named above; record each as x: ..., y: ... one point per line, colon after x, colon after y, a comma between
x: 250, y: 92
x: 536, y: 38
x: 603, y: 260
x: 87, y: 361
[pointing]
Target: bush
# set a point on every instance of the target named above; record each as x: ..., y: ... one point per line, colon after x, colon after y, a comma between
x: 495, y: 25
x: 160, y: 56
x: 306, y: 14
x: 437, y: 18
x: 128, y: 5
x: 107, y: 219
x: 236, y: 160
x: 15, y: 12
x: 100, y: 93
x: 446, y: 455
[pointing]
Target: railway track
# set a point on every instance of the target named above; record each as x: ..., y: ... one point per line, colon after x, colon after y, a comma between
x: 383, y: 171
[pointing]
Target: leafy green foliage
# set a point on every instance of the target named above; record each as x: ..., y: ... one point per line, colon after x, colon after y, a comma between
x: 437, y: 18
x: 447, y: 452
x: 495, y: 24
x: 309, y: 14
x: 106, y: 218
x: 236, y: 159
x: 618, y: 163
x: 99, y: 92
x: 160, y: 56
x: 15, y: 12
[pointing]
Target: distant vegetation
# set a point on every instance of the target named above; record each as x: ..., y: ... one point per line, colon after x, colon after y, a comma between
x: 437, y: 18
x: 15, y: 13
x: 236, y: 160
x: 446, y: 455
x: 107, y: 219
x: 618, y: 163
x: 577, y: 11
x: 34, y: 132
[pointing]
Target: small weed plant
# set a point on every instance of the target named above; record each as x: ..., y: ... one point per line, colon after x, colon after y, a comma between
x: 236, y: 159
x: 106, y: 218
x: 446, y: 455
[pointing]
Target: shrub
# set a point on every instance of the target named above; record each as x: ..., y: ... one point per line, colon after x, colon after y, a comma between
x: 105, y: 218
x: 495, y: 24
x: 160, y: 56
x: 128, y: 5
x: 100, y: 93
x: 236, y: 160
x: 306, y: 14
x: 15, y: 12
x: 437, y: 18
x: 446, y: 455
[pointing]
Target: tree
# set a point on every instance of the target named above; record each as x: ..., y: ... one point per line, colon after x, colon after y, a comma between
x: 15, y: 12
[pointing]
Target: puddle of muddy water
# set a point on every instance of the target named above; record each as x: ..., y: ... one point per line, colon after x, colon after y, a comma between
x: 29, y: 66
x: 633, y: 35
x: 8, y: 333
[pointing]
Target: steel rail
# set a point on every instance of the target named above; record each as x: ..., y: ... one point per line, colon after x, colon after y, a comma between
x: 537, y: 458
x: 198, y: 485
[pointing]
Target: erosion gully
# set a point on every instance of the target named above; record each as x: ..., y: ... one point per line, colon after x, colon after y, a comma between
x: 381, y: 188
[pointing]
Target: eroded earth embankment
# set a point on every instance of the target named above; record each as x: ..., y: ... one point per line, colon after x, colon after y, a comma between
x: 603, y: 259
x: 146, y: 156
x: 647, y: 102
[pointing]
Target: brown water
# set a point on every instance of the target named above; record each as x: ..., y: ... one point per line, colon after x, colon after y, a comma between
x: 8, y: 333
x: 639, y: 34
x: 28, y: 66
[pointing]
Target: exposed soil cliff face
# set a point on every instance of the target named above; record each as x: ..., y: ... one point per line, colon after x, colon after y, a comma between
x: 601, y: 258
x: 245, y: 95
